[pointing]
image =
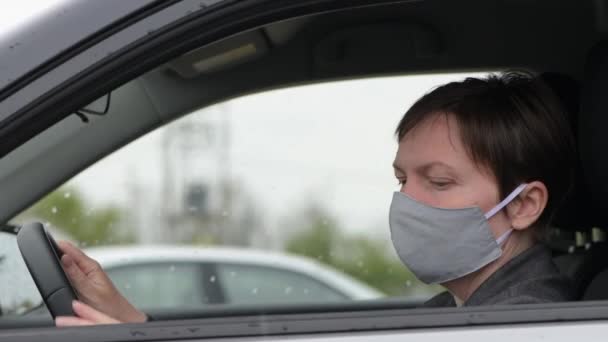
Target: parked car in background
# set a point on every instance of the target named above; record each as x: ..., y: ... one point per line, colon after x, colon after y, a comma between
x: 213, y: 276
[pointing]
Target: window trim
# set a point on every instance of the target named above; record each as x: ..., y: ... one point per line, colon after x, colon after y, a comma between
x: 357, y: 318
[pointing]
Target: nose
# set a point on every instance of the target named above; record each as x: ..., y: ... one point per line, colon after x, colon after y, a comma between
x: 413, y: 190
x: 408, y: 188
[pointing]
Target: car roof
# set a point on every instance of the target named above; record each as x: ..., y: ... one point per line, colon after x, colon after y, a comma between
x: 116, y: 256
x: 52, y: 33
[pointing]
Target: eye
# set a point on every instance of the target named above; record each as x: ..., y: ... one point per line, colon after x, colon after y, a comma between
x: 441, y: 184
x: 401, y: 181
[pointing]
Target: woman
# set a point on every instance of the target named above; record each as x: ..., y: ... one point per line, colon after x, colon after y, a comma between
x: 483, y: 164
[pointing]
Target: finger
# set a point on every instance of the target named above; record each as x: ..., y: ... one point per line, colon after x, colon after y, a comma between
x: 88, y: 313
x: 70, y: 321
x: 74, y: 273
x: 82, y: 260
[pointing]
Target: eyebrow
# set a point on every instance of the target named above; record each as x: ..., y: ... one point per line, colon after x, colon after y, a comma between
x: 425, y: 167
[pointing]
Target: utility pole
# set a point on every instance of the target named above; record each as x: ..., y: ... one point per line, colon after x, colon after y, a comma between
x: 166, y: 193
x: 224, y: 170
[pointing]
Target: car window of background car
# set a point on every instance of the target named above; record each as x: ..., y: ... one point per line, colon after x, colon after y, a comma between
x: 302, y: 171
x: 161, y: 285
x: 264, y: 285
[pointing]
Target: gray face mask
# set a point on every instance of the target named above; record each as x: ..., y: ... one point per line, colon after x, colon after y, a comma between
x: 438, y: 244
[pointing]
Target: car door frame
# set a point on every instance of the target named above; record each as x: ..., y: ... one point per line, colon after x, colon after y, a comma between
x: 127, y: 59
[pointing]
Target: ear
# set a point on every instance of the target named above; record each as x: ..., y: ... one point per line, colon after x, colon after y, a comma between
x: 528, y: 206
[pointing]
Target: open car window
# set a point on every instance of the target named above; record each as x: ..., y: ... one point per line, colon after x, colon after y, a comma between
x: 296, y: 182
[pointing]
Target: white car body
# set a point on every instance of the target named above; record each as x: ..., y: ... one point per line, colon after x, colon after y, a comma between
x: 114, y: 257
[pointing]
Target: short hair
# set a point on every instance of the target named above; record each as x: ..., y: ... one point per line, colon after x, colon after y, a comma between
x: 513, y: 125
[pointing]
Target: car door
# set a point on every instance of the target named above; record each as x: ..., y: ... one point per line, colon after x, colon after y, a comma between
x: 67, y: 83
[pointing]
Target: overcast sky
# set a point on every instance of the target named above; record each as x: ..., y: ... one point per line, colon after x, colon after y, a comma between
x: 330, y: 144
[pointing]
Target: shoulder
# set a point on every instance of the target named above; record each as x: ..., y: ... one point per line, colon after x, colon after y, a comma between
x: 531, y: 279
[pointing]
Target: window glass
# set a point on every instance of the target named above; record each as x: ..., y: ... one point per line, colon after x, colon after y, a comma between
x: 160, y: 286
x: 303, y: 171
x: 247, y: 284
x: 18, y: 292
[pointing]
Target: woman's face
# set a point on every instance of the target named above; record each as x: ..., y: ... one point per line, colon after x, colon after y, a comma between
x: 433, y: 167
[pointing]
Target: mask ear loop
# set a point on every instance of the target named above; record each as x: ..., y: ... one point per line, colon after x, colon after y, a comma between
x: 504, y: 237
x: 506, y: 201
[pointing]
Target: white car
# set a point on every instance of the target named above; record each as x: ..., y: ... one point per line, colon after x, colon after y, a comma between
x: 176, y: 277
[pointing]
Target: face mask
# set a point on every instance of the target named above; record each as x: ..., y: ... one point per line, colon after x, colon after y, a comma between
x: 438, y: 244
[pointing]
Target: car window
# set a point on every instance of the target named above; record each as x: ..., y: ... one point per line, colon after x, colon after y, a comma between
x: 161, y: 285
x: 250, y: 284
x: 18, y: 293
x: 298, y: 176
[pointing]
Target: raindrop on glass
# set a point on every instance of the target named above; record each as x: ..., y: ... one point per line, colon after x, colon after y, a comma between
x: 254, y: 291
x: 67, y: 195
x: 127, y: 286
x: 408, y: 283
x: 288, y: 290
x: 54, y: 210
x: 172, y: 268
x: 212, y: 279
x: 233, y: 274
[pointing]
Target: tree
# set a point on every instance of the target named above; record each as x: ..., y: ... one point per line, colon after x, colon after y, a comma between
x: 319, y: 236
x: 67, y: 210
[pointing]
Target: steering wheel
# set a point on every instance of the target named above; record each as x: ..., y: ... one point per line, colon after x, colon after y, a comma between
x: 42, y: 257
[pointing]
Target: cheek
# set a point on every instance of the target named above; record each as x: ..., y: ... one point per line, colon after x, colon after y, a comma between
x: 487, y: 200
x: 472, y: 192
x: 499, y: 224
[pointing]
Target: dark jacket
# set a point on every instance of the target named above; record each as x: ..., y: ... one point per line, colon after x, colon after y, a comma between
x: 529, y: 278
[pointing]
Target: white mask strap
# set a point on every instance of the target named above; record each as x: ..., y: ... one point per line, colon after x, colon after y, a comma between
x: 506, y: 201
x: 504, y: 237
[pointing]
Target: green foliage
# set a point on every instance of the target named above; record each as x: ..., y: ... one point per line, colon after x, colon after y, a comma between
x: 362, y: 258
x: 67, y: 210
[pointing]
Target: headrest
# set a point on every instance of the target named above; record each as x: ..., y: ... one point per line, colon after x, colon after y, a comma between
x: 572, y: 214
x: 593, y: 132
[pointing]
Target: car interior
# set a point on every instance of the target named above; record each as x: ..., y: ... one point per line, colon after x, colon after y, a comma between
x: 560, y: 41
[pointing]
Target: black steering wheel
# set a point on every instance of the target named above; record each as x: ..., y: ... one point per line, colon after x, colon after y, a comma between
x: 42, y: 257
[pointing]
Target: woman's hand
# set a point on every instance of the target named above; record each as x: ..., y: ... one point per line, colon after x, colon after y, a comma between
x: 85, y: 315
x: 104, y: 304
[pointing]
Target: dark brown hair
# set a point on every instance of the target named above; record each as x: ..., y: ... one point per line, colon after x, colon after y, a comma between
x: 511, y: 124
